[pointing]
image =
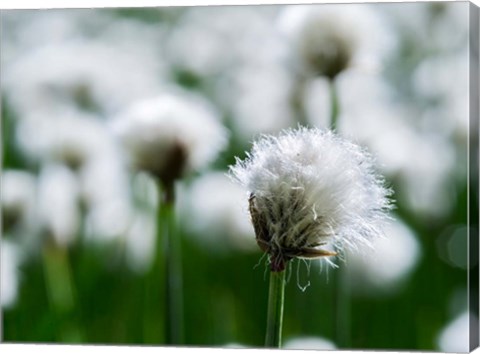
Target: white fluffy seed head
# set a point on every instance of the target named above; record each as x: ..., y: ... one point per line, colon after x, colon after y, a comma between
x: 327, y: 39
x: 171, y: 129
x: 310, y: 188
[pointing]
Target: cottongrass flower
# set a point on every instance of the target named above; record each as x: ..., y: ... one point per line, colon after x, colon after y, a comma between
x: 312, y: 194
x: 328, y: 39
x: 68, y: 136
x: 86, y: 74
x: 310, y: 188
x: 170, y: 134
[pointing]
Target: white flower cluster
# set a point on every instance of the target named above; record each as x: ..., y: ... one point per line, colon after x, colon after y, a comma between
x: 310, y: 188
x: 51, y: 73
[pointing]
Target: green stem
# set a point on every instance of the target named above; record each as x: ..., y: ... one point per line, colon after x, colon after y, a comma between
x: 173, y: 268
x: 334, y: 106
x: 60, y: 290
x: 341, y: 287
x: 276, y: 297
x: 153, y: 329
x: 58, y: 277
x: 342, y: 308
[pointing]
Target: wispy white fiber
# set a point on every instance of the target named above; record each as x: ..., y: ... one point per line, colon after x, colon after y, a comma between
x: 311, y: 188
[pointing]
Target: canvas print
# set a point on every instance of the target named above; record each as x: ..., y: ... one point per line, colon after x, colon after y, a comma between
x: 280, y: 176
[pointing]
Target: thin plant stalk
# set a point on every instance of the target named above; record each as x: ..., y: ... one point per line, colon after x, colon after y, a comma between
x: 154, y: 304
x: 342, y: 308
x: 341, y: 287
x: 166, y: 226
x: 276, y: 295
x: 60, y: 288
x: 334, y: 105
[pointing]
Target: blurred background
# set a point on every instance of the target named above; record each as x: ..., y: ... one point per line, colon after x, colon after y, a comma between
x: 78, y: 260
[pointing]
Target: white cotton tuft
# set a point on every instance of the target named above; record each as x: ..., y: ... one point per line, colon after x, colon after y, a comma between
x: 311, y: 188
x: 327, y: 39
x: 169, y: 132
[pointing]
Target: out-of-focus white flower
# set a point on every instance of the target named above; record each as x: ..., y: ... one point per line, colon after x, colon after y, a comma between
x: 107, y: 220
x: 106, y: 191
x: 86, y: 74
x: 255, y: 84
x: 140, y: 235
x: 303, y: 343
x: 407, y: 155
x: 454, y: 338
x: 70, y: 137
x: 426, y: 182
x: 58, y: 203
x: 310, y: 188
x: 249, y: 80
x: 393, y: 259
x: 171, y: 134
x: 140, y: 241
x: 234, y: 345
x: 18, y: 189
x: 199, y: 42
x: 216, y: 209
x: 444, y: 82
x: 25, y: 30
x: 9, y: 274
x: 327, y: 39
x: 259, y: 99
x: 433, y: 26
x: 405, y: 150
